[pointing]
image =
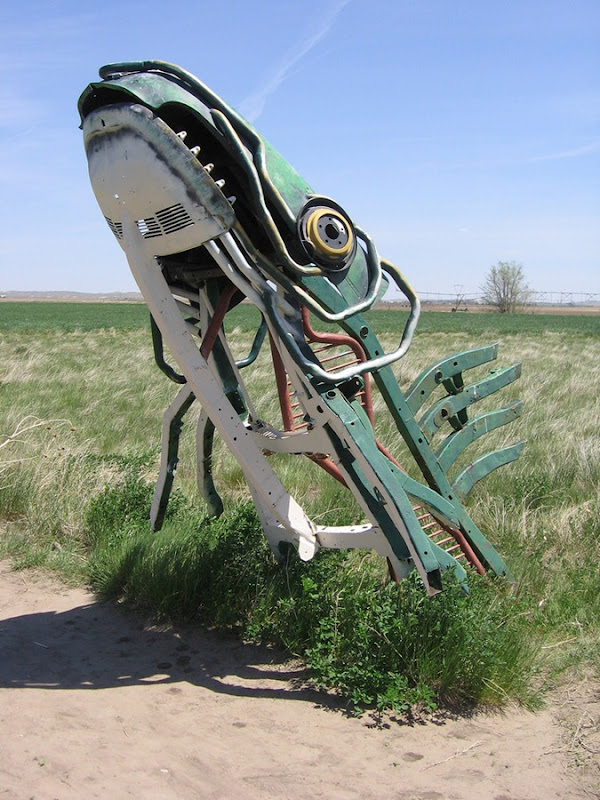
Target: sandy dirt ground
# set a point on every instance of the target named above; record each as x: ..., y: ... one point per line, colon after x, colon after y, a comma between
x: 96, y: 704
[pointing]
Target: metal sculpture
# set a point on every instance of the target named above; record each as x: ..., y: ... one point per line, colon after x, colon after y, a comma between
x: 209, y: 214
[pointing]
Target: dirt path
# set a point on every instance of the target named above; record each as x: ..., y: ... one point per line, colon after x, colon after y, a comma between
x: 95, y: 704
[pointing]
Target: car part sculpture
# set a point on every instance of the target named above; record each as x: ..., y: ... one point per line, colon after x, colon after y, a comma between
x: 227, y: 218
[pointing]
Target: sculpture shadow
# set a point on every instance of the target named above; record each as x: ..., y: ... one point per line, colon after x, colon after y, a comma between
x: 99, y: 646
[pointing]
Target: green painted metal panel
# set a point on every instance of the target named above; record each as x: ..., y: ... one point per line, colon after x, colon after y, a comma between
x: 445, y: 370
x: 481, y: 467
x: 458, y: 441
x: 449, y: 407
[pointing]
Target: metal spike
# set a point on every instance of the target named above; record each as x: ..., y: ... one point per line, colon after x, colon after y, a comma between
x: 182, y: 135
x: 220, y: 183
x: 231, y: 200
x: 195, y: 151
x: 209, y: 167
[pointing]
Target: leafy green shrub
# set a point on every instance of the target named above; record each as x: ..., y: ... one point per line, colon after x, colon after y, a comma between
x: 378, y: 643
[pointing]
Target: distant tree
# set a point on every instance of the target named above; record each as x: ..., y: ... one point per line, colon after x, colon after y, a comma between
x: 504, y: 287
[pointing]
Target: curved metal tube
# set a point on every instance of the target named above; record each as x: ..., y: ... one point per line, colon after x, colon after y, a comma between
x: 259, y: 338
x: 288, y: 333
x: 373, y: 262
x: 159, y: 355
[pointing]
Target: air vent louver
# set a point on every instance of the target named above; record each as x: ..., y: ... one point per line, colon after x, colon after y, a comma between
x: 168, y: 220
x: 149, y: 228
x: 116, y: 227
x: 174, y: 218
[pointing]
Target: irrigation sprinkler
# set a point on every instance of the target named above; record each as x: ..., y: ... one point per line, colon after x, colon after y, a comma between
x: 210, y: 215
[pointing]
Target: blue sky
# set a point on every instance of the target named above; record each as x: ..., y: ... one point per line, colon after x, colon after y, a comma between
x: 457, y: 133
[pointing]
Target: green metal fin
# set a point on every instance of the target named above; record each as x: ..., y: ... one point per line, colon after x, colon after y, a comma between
x: 445, y: 372
x: 481, y: 467
x: 448, y: 408
x: 456, y: 442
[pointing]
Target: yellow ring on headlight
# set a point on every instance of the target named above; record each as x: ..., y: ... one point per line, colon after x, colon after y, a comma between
x: 316, y: 237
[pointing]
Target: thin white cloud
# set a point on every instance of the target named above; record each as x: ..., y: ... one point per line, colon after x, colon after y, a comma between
x: 253, y: 105
x: 577, y: 151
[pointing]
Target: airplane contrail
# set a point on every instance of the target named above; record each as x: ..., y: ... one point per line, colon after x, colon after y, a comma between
x: 253, y: 105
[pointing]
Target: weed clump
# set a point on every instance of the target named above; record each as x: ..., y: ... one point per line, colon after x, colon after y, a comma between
x: 379, y: 644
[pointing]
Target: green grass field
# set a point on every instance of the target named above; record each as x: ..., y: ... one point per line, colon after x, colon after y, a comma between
x: 69, y: 317
x: 80, y: 415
